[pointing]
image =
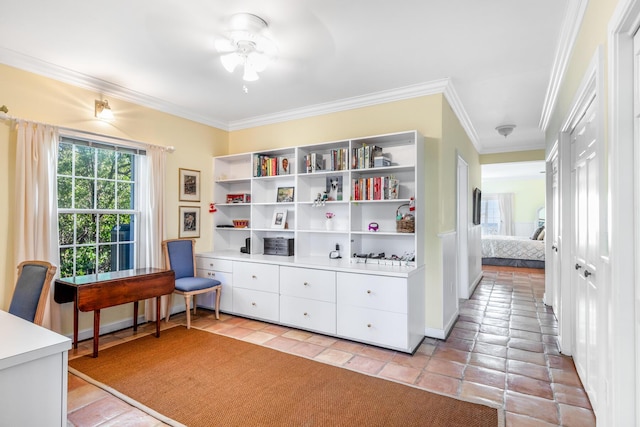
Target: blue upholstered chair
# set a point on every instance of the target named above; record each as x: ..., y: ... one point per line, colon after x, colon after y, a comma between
x: 32, y: 290
x: 179, y: 256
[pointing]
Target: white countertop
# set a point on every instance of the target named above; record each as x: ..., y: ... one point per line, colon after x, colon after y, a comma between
x: 22, y: 341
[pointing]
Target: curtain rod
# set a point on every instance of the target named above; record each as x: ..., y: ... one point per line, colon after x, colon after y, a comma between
x: 5, y: 116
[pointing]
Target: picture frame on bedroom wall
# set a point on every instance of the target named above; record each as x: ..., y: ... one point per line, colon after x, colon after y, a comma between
x: 477, y: 202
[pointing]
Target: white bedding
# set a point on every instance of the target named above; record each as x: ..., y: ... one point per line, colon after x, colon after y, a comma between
x: 513, y: 247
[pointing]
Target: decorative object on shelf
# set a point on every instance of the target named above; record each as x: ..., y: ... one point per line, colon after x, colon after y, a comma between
x: 189, y: 218
x: 335, y: 254
x: 240, y: 223
x: 246, y: 45
x: 328, y: 224
x: 239, y: 198
x: 320, y: 199
x: 189, y: 185
x: 283, y: 166
x: 279, y: 218
x: 334, y: 187
x: 278, y: 246
x: 405, y: 222
x: 212, y: 208
x: 285, y: 194
x: 381, y: 161
x: 373, y: 226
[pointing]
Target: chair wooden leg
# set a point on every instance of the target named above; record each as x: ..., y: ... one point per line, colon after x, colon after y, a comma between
x: 218, y: 292
x: 194, y: 304
x: 168, y: 312
x: 187, y: 303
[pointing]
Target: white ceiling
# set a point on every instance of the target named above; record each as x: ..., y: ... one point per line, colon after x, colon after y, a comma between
x: 496, y: 56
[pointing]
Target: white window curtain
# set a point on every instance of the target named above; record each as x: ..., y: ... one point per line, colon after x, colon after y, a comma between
x: 506, y: 213
x: 36, y: 225
x: 152, y: 172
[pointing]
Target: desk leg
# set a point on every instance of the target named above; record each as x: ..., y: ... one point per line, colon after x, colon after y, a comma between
x: 96, y: 331
x: 158, y: 299
x: 75, y: 320
x: 135, y: 316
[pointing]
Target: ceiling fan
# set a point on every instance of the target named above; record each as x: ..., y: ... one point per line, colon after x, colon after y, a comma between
x: 247, y: 44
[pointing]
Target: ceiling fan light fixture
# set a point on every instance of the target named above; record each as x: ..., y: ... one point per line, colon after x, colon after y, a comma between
x: 505, y: 130
x: 247, y: 45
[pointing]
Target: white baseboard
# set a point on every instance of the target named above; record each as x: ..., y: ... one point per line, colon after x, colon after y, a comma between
x: 477, y: 280
x: 435, y: 333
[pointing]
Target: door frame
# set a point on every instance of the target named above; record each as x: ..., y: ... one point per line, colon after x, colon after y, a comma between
x: 463, y: 226
x: 623, y: 389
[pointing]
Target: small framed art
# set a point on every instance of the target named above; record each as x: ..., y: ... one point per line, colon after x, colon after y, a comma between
x: 189, y: 185
x: 189, y: 219
x: 285, y: 194
x: 279, y: 218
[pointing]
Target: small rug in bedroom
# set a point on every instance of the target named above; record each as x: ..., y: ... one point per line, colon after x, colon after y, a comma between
x: 203, y: 379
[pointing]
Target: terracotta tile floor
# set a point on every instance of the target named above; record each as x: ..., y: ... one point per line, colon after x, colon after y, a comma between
x: 502, y: 350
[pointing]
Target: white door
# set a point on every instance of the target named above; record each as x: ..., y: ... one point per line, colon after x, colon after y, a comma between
x: 585, y: 247
x: 636, y: 136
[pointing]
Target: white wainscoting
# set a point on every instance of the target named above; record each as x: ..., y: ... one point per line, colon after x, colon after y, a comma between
x: 448, y: 243
x: 475, y: 256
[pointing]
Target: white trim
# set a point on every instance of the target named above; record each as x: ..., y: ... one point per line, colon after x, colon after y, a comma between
x: 569, y: 33
x: 462, y: 226
x: 436, y: 333
x: 624, y: 191
x: 456, y: 105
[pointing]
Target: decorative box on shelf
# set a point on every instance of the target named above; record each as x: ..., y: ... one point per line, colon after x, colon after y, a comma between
x: 239, y: 198
x: 278, y: 246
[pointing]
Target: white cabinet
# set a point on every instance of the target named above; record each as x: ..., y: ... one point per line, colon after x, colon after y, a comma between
x: 256, y: 290
x: 308, y: 299
x: 374, y: 292
x: 218, y: 269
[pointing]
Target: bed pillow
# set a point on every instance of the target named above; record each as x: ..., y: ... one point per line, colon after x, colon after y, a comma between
x: 537, y: 232
x: 541, y: 235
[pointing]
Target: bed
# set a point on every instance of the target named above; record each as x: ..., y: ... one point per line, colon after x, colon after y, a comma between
x: 512, y: 251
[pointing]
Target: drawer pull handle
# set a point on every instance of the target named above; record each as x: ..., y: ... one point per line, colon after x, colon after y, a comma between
x: 211, y: 265
x: 305, y: 313
x: 306, y: 284
x: 253, y: 276
x: 253, y: 304
x: 368, y: 291
x: 368, y: 325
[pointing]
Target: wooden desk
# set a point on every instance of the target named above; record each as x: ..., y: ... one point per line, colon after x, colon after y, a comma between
x: 96, y: 291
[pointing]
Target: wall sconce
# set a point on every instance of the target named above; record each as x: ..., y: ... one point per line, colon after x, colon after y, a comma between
x: 103, y: 110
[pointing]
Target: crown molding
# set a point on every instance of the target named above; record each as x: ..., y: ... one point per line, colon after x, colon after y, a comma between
x: 568, y: 35
x: 65, y: 75
x: 514, y: 148
x: 406, y: 92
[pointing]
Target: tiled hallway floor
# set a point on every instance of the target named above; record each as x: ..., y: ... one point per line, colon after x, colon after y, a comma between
x: 502, y: 350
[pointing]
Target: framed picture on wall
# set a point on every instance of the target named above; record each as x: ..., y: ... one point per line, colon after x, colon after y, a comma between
x: 477, y: 202
x: 189, y: 220
x: 189, y: 185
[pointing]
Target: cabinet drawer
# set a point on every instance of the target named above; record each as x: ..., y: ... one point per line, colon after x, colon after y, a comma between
x: 208, y: 300
x: 207, y: 263
x: 261, y: 277
x: 363, y: 324
x: 308, y: 283
x: 370, y: 291
x: 308, y: 314
x: 257, y: 304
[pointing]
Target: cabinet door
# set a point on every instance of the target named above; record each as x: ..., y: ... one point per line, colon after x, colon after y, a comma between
x: 261, y: 277
x: 308, y: 283
x: 370, y: 291
x: 373, y: 326
x: 308, y: 314
x: 208, y: 300
x: 257, y: 304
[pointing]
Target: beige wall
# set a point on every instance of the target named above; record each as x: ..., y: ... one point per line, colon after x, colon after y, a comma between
x: 40, y: 99
x: 515, y: 156
x: 529, y: 196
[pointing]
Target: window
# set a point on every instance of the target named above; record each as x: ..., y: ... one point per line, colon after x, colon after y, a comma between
x: 97, y: 209
x: 490, y: 215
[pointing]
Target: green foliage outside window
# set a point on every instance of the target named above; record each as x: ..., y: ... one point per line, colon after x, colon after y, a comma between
x: 96, y: 209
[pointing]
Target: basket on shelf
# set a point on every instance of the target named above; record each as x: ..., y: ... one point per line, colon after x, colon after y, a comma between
x: 240, y: 223
x: 405, y: 222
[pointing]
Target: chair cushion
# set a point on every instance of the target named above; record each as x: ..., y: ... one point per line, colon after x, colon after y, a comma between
x: 28, y: 289
x: 181, y: 258
x: 190, y: 284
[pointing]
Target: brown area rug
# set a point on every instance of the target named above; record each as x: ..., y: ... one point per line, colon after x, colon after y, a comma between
x: 202, y: 379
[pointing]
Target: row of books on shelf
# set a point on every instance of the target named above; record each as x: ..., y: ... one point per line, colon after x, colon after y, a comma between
x: 375, y: 188
x: 334, y: 160
x: 264, y: 165
x: 363, y: 157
